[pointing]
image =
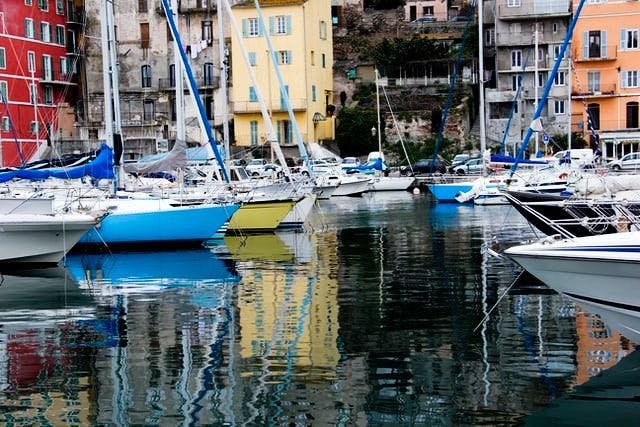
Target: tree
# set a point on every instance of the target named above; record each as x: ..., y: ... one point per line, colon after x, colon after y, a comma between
x: 353, y: 132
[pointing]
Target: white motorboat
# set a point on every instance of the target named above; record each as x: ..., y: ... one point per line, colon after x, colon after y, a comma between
x: 41, y: 239
x: 348, y: 185
x: 392, y: 183
x: 603, y: 270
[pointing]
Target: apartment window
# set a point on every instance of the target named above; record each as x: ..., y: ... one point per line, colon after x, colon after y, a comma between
x: 514, y: 82
x: 142, y: 6
x: 542, y: 79
x: 313, y: 93
x: 593, y: 113
x: 490, y: 37
x: 47, y: 67
x: 540, y: 54
x: 28, y: 2
x: 427, y: 10
x: 64, y: 66
x: 513, y: 3
x: 284, y: 57
x: 253, y: 96
x: 594, y: 44
x: 172, y: 75
x: 596, y: 1
x: 60, y: 7
x: 630, y: 78
x: 516, y: 59
x: 43, y: 4
x: 593, y: 81
x: 629, y: 39
x: 148, y: 108
x: 34, y: 127
x: 60, y: 35
x: 31, y: 62
x: 207, y: 31
x: 559, y: 107
x: 324, y: 61
x: 632, y: 115
x: 45, y: 32
x: 33, y: 94
x: 144, y: 35
x: 515, y: 28
x: 3, y: 92
x: 560, y: 78
x: 284, y: 132
x: 556, y: 51
x: 281, y: 24
x: 29, y: 28
x: 208, y: 106
x: 253, y: 128
x: 3, y: 59
x: 555, y: 27
x: 208, y: 74
x: 47, y: 95
x: 313, y: 58
x: 250, y: 27
x: 6, y: 124
x: 145, y: 72
x: 253, y: 59
x: 323, y: 30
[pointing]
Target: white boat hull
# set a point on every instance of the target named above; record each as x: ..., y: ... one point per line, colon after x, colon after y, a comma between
x: 352, y: 187
x: 392, y: 183
x: 40, y: 239
x: 300, y: 212
x: 601, y: 270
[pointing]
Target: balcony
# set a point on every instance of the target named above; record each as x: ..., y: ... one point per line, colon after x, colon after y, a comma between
x: 297, y: 104
x: 603, y: 90
x: 75, y: 17
x: 194, y: 6
x: 166, y: 84
x: 50, y: 81
x: 526, y: 39
x: 596, y: 53
x: 532, y: 10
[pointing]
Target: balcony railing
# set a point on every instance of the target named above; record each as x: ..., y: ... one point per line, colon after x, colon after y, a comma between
x: 601, y: 90
x: 196, y: 5
x: 75, y: 17
x: 297, y: 104
x: 531, y: 9
x: 596, y: 53
x: 210, y: 83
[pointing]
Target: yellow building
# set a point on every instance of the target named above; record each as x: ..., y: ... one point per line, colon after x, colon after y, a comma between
x: 300, y: 32
x: 606, y: 81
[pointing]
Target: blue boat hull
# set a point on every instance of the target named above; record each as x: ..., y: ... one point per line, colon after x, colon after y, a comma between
x: 446, y: 193
x: 182, y: 225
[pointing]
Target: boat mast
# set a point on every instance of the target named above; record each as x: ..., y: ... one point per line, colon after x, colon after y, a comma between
x: 223, y: 84
x: 106, y: 79
x: 483, y: 138
x: 115, y: 94
x: 378, y: 109
x: 536, y: 58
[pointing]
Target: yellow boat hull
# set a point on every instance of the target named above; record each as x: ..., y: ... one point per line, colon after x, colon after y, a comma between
x: 260, y: 216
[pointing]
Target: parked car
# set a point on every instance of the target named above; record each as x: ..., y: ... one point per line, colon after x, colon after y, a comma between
x: 458, y: 159
x: 471, y: 166
x: 349, y: 162
x: 424, y: 166
x: 629, y: 161
x: 321, y: 166
x: 423, y: 19
x: 260, y: 167
x: 461, y: 18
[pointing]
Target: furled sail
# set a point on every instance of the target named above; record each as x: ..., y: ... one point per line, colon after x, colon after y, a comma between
x: 174, y: 159
x: 100, y: 168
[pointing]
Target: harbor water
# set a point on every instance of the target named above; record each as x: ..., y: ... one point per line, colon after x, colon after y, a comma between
x: 387, y: 309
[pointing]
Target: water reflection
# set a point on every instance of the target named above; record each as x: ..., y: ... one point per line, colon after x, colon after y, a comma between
x: 368, y: 318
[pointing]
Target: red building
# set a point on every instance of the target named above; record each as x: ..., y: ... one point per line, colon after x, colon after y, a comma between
x: 37, y: 87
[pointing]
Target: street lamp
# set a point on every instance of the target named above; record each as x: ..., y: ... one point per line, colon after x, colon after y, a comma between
x: 373, y: 131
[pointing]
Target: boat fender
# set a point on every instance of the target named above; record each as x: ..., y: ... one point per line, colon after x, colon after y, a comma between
x: 563, y: 176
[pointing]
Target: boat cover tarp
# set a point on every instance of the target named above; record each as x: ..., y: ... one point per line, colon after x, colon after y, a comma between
x: 100, y: 168
x: 593, y: 184
x: 375, y: 164
x: 496, y: 158
x: 174, y: 159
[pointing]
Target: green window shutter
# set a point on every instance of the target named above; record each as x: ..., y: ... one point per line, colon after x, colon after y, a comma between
x: 313, y: 93
x: 252, y: 94
x: 261, y: 28
x: 585, y: 44
x: 245, y: 28
x: 290, y: 54
x: 279, y: 129
x: 252, y: 59
x: 44, y: 67
x: 623, y: 39
x: 26, y: 28
x: 623, y: 79
x: 603, y: 44
x: 272, y: 25
x: 288, y: 23
x: 2, y: 59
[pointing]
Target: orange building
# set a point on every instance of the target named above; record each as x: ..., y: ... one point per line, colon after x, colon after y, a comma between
x: 606, y: 77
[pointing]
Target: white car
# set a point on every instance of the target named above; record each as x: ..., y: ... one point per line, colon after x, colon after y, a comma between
x: 629, y: 161
x: 261, y: 168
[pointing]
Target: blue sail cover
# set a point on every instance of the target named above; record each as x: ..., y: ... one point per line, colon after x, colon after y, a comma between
x: 100, y: 168
x: 375, y: 164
